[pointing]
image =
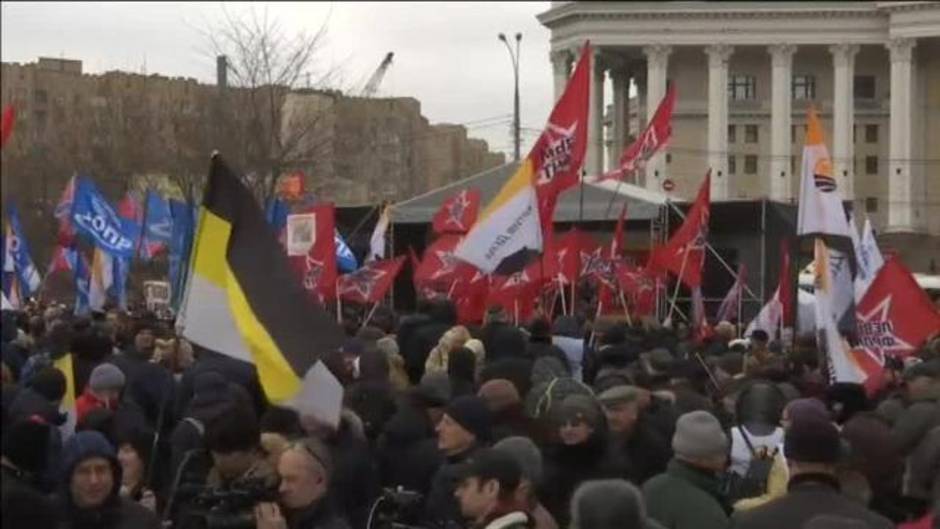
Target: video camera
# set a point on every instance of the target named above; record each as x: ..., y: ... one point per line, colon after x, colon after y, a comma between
x: 396, y: 509
x: 224, y: 507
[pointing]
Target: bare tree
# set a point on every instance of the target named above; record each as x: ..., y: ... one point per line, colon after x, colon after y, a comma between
x: 274, y: 113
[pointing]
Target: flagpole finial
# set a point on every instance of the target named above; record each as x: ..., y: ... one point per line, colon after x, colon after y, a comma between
x: 214, y: 155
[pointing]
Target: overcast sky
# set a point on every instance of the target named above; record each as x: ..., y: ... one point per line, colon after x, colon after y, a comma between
x: 446, y: 54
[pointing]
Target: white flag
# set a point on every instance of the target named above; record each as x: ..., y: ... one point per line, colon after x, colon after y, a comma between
x: 869, y: 260
x: 821, y: 211
x: 842, y: 367
x: 377, y: 242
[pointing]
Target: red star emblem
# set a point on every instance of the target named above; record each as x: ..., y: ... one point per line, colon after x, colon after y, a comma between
x: 876, y: 333
x: 313, y: 274
x: 457, y: 209
x: 448, y: 264
x: 362, y: 282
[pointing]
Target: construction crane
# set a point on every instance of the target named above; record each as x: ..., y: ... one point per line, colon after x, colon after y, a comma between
x: 373, y: 84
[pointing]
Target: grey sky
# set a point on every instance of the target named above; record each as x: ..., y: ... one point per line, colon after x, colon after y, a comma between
x: 446, y: 54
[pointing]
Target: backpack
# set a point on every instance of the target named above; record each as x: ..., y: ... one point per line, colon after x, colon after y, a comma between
x: 754, y: 482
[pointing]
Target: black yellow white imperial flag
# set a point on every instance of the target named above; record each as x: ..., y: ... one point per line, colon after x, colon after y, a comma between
x: 242, y: 299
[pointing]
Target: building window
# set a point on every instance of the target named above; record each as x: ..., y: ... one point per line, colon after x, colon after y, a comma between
x: 871, y: 165
x: 40, y: 96
x: 804, y: 87
x: 871, y: 204
x: 732, y: 165
x: 742, y: 87
x: 732, y: 133
x: 668, y: 157
x: 864, y: 87
x: 871, y: 133
x: 750, y: 164
x: 750, y: 134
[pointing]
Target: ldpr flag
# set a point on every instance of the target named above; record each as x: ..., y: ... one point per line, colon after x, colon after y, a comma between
x: 370, y: 283
x: 820, y: 208
x: 895, y: 316
x: 312, y: 250
x: 17, y: 250
x: 653, y: 139
x: 684, y: 253
x: 457, y: 213
x: 93, y: 216
x: 244, y: 301
x: 515, y: 219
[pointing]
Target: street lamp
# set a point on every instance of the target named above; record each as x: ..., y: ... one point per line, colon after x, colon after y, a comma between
x: 514, y: 57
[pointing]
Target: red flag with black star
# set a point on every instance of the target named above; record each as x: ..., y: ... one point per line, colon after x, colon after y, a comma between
x: 370, y: 283
x: 440, y: 267
x: 457, y: 213
x: 684, y: 253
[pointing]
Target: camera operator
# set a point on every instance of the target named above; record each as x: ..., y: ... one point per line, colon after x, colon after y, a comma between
x: 304, y: 468
x: 234, y: 441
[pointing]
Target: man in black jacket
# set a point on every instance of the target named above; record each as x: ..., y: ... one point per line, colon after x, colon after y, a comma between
x: 24, y: 459
x: 811, y: 447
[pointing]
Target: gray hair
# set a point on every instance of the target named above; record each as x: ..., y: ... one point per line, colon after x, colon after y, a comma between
x: 607, y: 504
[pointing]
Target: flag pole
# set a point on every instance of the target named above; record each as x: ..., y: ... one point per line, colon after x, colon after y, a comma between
x: 712, y: 250
x: 339, y: 304
x: 365, y: 322
x: 675, y: 295
x: 626, y: 312
x: 515, y: 312
x: 561, y: 292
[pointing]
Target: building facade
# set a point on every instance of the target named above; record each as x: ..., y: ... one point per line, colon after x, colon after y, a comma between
x: 745, y: 74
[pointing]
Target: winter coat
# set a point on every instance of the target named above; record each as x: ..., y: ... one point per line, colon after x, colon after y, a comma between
x: 235, y: 371
x: 502, y: 340
x: 808, y: 495
x: 516, y: 370
x: 914, y: 423
x: 685, y: 497
x: 355, y: 482
x: 23, y: 505
x: 574, y: 353
x: 150, y: 385
x: 645, y: 453
x: 321, y: 515
x: 537, y: 350
x: 407, y: 450
x: 442, y: 509
x: 439, y: 357
x: 566, y: 467
x: 115, y: 512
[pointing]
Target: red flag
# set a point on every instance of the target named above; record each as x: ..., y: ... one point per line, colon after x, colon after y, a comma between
x: 565, y: 254
x: 63, y: 212
x: 471, y: 304
x: 652, y: 139
x: 559, y: 152
x: 457, y: 213
x: 440, y: 267
x: 784, y: 289
x: 684, y: 253
x: 316, y: 267
x: 728, y: 310
x: 517, y: 293
x: 639, y: 285
x: 616, y: 244
x: 6, y: 126
x: 701, y: 330
x: 370, y: 283
x: 895, y: 316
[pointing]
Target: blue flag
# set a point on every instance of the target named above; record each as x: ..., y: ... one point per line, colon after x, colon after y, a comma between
x: 17, y: 251
x: 82, y: 278
x: 158, y: 225
x: 94, y: 217
x: 181, y: 242
x: 345, y: 259
x: 121, y: 268
x: 276, y: 212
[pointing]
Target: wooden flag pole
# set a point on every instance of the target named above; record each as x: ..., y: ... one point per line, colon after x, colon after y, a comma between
x: 369, y: 316
x: 626, y: 312
x: 339, y: 304
x: 561, y: 292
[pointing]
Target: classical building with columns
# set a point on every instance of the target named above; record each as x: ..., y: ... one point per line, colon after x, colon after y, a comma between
x: 745, y: 74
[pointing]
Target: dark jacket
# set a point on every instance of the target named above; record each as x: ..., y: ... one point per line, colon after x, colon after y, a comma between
x: 914, y: 423
x: 235, y: 371
x: 407, y: 450
x: 355, y: 482
x: 442, y: 509
x: 566, y: 467
x: 150, y: 385
x: 502, y: 340
x: 685, y: 497
x: 321, y: 515
x: 24, y: 505
x: 808, y: 495
x: 115, y: 512
x: 645, y: 453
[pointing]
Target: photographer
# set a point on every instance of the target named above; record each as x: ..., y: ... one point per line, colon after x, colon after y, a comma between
x: 304, y: 468
x: 233, y: 440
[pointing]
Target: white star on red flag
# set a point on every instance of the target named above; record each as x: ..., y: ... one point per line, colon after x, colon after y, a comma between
x: 876, y: 332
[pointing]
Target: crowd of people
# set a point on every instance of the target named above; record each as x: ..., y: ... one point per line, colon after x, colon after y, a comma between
x: 556, y: 424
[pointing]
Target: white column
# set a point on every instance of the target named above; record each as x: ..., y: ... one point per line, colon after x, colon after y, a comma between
x: 561, y: 70
x: 900, y: 209
x: 657, y: 62
x: 594, y: 162
x: 718, y: 56
x: 843, y: 118
x: 781, y: 58
x: 620, y: 79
